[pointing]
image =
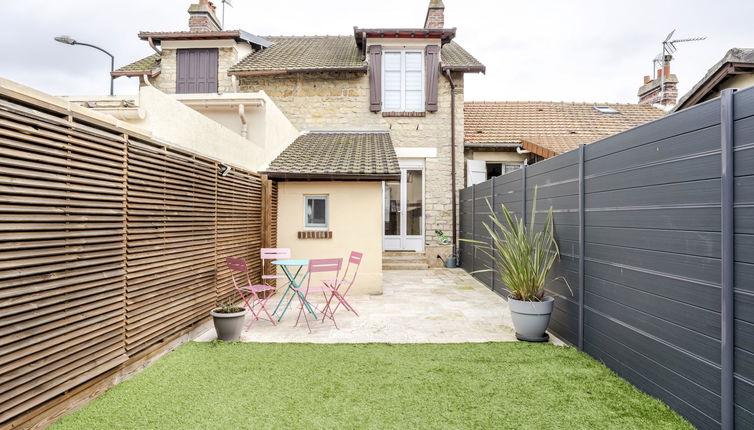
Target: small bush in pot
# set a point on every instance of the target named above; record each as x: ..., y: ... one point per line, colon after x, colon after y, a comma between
x: 523, y: 258
x: 228, y: 319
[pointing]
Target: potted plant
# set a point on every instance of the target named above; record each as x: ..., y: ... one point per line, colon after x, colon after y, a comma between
x: 442, y: 238
x: 523, y: 258
x: 228, y: 319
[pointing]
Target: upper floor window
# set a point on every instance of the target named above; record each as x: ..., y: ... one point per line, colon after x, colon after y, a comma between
x: 403, y: 81
x: 196, y: 71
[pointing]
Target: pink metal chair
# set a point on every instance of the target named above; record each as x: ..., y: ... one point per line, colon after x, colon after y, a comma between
x: 237, y: 266
x: 337, y: 285
x: 318, y: 266
x: 273, y: 254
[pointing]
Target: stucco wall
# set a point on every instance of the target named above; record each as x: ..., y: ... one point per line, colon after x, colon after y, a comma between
x: 738, y: 81
x: 354, y: 219
x: 172, y: 121
x: 340, y: 101
x: 497, y: 156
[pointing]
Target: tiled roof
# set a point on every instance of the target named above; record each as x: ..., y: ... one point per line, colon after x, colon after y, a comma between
x: 549, y: 128
x: 341, y: 154
x: 149, y: 65
x: 454, y: 57
x: 304, y: 53
x: 314, y: 53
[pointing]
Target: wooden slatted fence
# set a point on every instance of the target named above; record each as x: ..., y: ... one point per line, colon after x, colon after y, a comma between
x: 110, y: 242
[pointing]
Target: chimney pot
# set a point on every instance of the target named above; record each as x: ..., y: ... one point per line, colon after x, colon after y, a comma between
x: 666, y: 70
x: 659, y: 73
x: 647, y: 79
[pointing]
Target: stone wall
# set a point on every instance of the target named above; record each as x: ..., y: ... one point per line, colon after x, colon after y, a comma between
x: 340, y: 101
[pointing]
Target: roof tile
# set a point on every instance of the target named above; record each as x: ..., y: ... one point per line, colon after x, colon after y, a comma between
x: 344, y: 153
x: 148, y: 65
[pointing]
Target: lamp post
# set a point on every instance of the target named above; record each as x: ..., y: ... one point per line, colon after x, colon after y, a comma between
x: 68, y: 40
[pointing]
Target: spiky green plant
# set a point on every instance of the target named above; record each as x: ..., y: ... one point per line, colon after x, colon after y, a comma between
x: 523, y: 257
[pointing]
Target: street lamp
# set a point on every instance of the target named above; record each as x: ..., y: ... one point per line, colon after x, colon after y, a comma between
x: 68, y: 40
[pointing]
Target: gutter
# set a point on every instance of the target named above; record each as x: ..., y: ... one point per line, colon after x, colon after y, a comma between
x: 453, y: 160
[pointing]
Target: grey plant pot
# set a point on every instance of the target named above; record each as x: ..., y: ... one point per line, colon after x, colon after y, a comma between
x: 530, y: 319
x: 228, y: 326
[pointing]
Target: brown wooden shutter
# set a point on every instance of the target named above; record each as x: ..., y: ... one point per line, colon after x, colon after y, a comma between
x: 375, y: 78
x: 196, y: 71
x: 432, y: 63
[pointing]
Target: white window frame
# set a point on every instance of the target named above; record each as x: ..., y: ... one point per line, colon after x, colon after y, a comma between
x: 327, y: 211
x: 422, y: 105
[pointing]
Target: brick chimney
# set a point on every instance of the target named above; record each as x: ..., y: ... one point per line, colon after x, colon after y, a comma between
x: 662, y: 91
x: 202, y: 17
x: 435, y: 15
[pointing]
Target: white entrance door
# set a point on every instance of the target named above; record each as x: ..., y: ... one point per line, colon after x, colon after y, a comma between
x: 403, y: 209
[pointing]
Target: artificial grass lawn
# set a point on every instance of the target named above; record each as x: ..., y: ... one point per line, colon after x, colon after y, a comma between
x: 489, y: 385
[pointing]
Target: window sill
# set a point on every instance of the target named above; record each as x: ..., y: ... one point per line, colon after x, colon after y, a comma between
x: 314, y: 234
x: 404, y: 114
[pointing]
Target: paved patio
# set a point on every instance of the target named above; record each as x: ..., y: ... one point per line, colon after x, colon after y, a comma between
x: 417, y: 306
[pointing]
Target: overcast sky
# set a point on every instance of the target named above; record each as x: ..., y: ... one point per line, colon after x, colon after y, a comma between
x: 575, y: 50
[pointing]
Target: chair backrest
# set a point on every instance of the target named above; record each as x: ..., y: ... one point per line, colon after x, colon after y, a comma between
x: 237, y: 265
x: 355, y: 259
x: 275, y: 253
x: 323, y: 265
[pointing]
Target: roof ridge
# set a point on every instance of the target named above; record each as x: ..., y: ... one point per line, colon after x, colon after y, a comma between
x: 499, y: 102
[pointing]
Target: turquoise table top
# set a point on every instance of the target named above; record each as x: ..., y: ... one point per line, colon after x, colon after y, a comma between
x: 290, y: 262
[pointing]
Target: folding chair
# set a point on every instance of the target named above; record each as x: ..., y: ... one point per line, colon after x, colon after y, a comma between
x: 250, y: 290
x: 273, y: 254
x: 337, y: 285
x: 318, y: 266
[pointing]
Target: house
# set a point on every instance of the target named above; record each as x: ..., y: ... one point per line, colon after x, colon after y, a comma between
x: 395, y: 94
x: 734, y: 70
x: 501, y: 136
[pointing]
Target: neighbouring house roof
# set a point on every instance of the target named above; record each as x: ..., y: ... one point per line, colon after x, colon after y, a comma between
x: 332, y: 155
x: 549, y: 128
x: 303, y: 54
x: 146, y: 66
x: 736, y: 60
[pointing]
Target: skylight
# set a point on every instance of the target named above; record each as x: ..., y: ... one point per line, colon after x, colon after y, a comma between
x: 606, y: 110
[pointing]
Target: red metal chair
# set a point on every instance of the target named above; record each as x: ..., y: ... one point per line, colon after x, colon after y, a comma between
x: 318, y: 266
x: 250, y: 290
x: 337, y: 285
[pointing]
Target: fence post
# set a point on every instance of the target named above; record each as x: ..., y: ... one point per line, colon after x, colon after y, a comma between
x: 473, y: 227
x: 581, y: 247
x: 523, y: 193
x: 492, y: 206
x: 727, y: 411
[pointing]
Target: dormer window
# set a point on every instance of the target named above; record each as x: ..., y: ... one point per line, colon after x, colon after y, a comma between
x: 403, y: 81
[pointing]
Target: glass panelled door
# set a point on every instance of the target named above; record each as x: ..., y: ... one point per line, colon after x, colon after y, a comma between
x: 403, y: 210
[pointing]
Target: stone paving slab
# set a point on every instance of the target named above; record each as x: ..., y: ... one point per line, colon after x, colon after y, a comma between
x: 417, y: 306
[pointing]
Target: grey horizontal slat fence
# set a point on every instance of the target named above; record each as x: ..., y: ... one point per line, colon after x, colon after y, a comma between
x: 639, y: 221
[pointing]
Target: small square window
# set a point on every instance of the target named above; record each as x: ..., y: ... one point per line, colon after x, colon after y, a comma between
x: 315, y: 211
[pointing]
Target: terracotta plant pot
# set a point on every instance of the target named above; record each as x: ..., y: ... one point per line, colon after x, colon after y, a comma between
x: 228, y: 325
x: 530, y: 319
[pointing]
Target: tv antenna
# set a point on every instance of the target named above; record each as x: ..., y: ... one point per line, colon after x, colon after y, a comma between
x: 229, y: 4
x: 668, y: 49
